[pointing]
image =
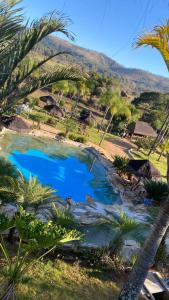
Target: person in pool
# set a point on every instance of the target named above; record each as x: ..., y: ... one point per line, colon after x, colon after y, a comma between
x: 90, y: 200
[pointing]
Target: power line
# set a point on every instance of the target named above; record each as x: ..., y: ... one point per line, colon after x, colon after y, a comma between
x: 142, y: 19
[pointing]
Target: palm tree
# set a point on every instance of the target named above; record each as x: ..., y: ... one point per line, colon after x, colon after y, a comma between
x: 107, y: 100
x: 118, y: 107
x: 158, y: 39
x: 25, y: 192
x: 17, y: 40
x: 81, y: 90
x: 125, y: 227
x: 62, y: 87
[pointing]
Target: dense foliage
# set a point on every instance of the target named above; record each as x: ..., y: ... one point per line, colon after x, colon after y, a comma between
x: 120, y: 163
x: 20, y: 76
x: 156, y: 190
x: 153, y: 105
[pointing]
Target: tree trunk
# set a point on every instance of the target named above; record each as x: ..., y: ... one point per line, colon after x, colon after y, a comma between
x: 107, y: 128
x: 132, y: 288
x: 104, y: 117
x: 159, y: 134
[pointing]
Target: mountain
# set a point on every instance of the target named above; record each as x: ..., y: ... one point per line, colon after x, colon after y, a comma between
x: 134, y: 81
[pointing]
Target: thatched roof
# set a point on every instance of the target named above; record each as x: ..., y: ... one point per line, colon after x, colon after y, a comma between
x: 48, y: 99
x: 15, y: 123
x: 55, y: 110
x: 142, y: 129
x: 142, y: 168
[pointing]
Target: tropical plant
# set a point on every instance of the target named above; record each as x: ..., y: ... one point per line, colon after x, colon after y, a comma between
x: 70, y: 125
x: 121, y: 163
x: 77, y: 138
x: 158, y: 39
x: 61, y: 87
x: 25, y: 192
x: 143, y: 143
x: 119, y: 107
x: 107, y: 100
x: 17, y: 78
x: 81, y: 92
x: 126, y: 227
x: 156, y: 190
x: 34, y: 235
x: 63, y: 218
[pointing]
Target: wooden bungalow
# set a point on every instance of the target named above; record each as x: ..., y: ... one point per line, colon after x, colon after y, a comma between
x: 55, y: 110
x: 15, y: 123
x: 142, y: 129
x: 143, y: 168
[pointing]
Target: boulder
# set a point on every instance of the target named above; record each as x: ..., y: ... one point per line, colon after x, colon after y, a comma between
x: 9, y: 210
x: 129, y: 249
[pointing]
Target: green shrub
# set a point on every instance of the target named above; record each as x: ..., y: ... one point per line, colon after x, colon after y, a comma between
x: 121, y: 163
x: 50, y: 121
x: 144, y: 143
x: 78, y: 138
x: 156, y: 190
x: 63, y: 218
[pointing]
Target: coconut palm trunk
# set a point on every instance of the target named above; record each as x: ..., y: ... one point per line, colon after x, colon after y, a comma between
x: 104, y: 117
x: 133, y: 286
x: 107, y: 128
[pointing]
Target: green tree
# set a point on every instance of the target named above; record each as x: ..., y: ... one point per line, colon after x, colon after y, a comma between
x: 107, y: 100
x: 16, y: 42
x: 61, y: 87
x: 118, y: 107
x: 158, y: 39
x: 70, y: 125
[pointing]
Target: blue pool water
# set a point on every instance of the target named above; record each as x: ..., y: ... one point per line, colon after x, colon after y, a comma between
x: 64, y: 168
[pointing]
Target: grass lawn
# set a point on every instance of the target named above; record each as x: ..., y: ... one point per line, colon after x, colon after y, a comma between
x: 61, y: 281
x: 160, y: 165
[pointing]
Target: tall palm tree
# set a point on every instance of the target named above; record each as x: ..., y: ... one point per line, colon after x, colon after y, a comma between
x: 81, y: 90
x: 107, y: 100
x: 118, y: 107
x: 158, y: 39
x: 16, y: 42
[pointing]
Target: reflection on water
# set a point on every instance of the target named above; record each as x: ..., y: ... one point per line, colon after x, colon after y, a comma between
x: 66, y: 169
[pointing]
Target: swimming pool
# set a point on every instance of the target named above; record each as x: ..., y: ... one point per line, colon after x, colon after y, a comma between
x: 69, y: 170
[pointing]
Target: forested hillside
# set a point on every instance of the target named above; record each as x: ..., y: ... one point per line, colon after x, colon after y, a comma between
x: 134, y: 81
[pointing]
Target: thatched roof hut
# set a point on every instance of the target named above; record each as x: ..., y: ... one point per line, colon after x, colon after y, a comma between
x: 143, y: 168
x: 55, y: 110
x: 15, y: 123
x: 140, y: 128
x: 48, y: 99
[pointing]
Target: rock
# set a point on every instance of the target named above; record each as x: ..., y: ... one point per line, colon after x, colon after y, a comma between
x: 30, y: 210
x: 9, y: 210
x: 42, y: 218
x: 46, y: 213
x: 130, y: 248
x: 71, y: 202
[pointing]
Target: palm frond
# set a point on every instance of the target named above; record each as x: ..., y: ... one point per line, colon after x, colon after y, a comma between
x: 11, y: 19
x: 157, y: 39
x: 61, y: 73
x: 25, y: 40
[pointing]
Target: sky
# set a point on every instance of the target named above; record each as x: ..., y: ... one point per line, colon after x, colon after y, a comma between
x: 111, y: 27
